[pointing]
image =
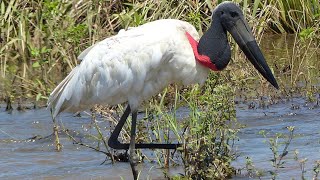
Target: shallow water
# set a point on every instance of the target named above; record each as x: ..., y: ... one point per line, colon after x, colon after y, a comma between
x: 275, y: 119
x: 36, y: 159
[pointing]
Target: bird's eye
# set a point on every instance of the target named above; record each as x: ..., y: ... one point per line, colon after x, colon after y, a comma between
x: 234, y: 14
x: 221, y: 12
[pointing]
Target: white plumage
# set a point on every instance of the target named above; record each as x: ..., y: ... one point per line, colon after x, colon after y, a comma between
x: 131, y: 66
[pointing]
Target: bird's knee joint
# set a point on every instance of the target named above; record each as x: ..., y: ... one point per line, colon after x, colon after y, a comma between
x: 114, y: 143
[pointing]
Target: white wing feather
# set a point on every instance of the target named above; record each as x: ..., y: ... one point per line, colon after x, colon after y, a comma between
x: 131, y: 66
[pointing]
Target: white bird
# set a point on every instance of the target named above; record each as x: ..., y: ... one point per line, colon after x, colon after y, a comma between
x: 138, y: 63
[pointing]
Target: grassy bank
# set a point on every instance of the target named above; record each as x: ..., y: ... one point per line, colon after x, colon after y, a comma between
x: 40, y: 40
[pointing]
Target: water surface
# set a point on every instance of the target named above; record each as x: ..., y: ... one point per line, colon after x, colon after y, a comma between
x: 37, y: 159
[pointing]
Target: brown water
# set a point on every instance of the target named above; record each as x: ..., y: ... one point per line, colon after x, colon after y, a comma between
x: 24, y: 158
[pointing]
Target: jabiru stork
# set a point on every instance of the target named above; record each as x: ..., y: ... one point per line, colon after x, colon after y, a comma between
x: 138, y: 63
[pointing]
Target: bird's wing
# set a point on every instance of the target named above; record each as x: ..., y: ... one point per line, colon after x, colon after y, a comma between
x: 109, y: 41
x: 114, y: 69
x: 84, y: 53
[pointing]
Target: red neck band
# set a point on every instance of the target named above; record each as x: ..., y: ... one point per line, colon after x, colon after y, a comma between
x: 202, y: 59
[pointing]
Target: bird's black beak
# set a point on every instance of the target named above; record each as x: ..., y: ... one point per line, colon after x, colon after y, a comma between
x: 243, y: 36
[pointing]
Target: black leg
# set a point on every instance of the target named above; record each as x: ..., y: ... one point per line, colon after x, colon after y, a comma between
x: 113, y: 141
x: 115, y: 144
x: 133, y: 157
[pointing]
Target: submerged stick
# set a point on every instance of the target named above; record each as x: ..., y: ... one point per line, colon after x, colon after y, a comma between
x: 56, y: 133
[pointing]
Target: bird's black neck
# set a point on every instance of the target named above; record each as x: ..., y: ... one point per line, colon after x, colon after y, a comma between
x: 214, y: 44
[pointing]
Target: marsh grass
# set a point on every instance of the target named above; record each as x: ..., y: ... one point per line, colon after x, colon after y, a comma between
x: 211, y: 132
x: 41, y: 39
x: 294, y: 15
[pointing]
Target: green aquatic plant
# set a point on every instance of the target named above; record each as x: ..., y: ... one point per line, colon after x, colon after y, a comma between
x: 316, y: 169
x: 210, y: 134
x: 252, y: 171
x: 302, y: 163
x: 275, y: 143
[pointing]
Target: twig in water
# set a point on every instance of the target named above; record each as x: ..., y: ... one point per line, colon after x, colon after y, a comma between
x: 55, y: 132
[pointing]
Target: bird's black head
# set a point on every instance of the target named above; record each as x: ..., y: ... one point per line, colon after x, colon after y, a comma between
x: 228, y: 13
x: 227, y: 16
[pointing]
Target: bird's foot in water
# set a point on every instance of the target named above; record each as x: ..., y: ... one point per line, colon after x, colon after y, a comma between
x: 134, y: 160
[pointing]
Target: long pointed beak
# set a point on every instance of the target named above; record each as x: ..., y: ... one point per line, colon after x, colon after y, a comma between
x: 243, y: 36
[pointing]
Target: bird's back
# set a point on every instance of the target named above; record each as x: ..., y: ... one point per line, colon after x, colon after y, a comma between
x: 131, y: 66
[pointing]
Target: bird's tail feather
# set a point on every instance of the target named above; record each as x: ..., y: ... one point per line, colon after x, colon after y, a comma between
x: 58, y: 98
